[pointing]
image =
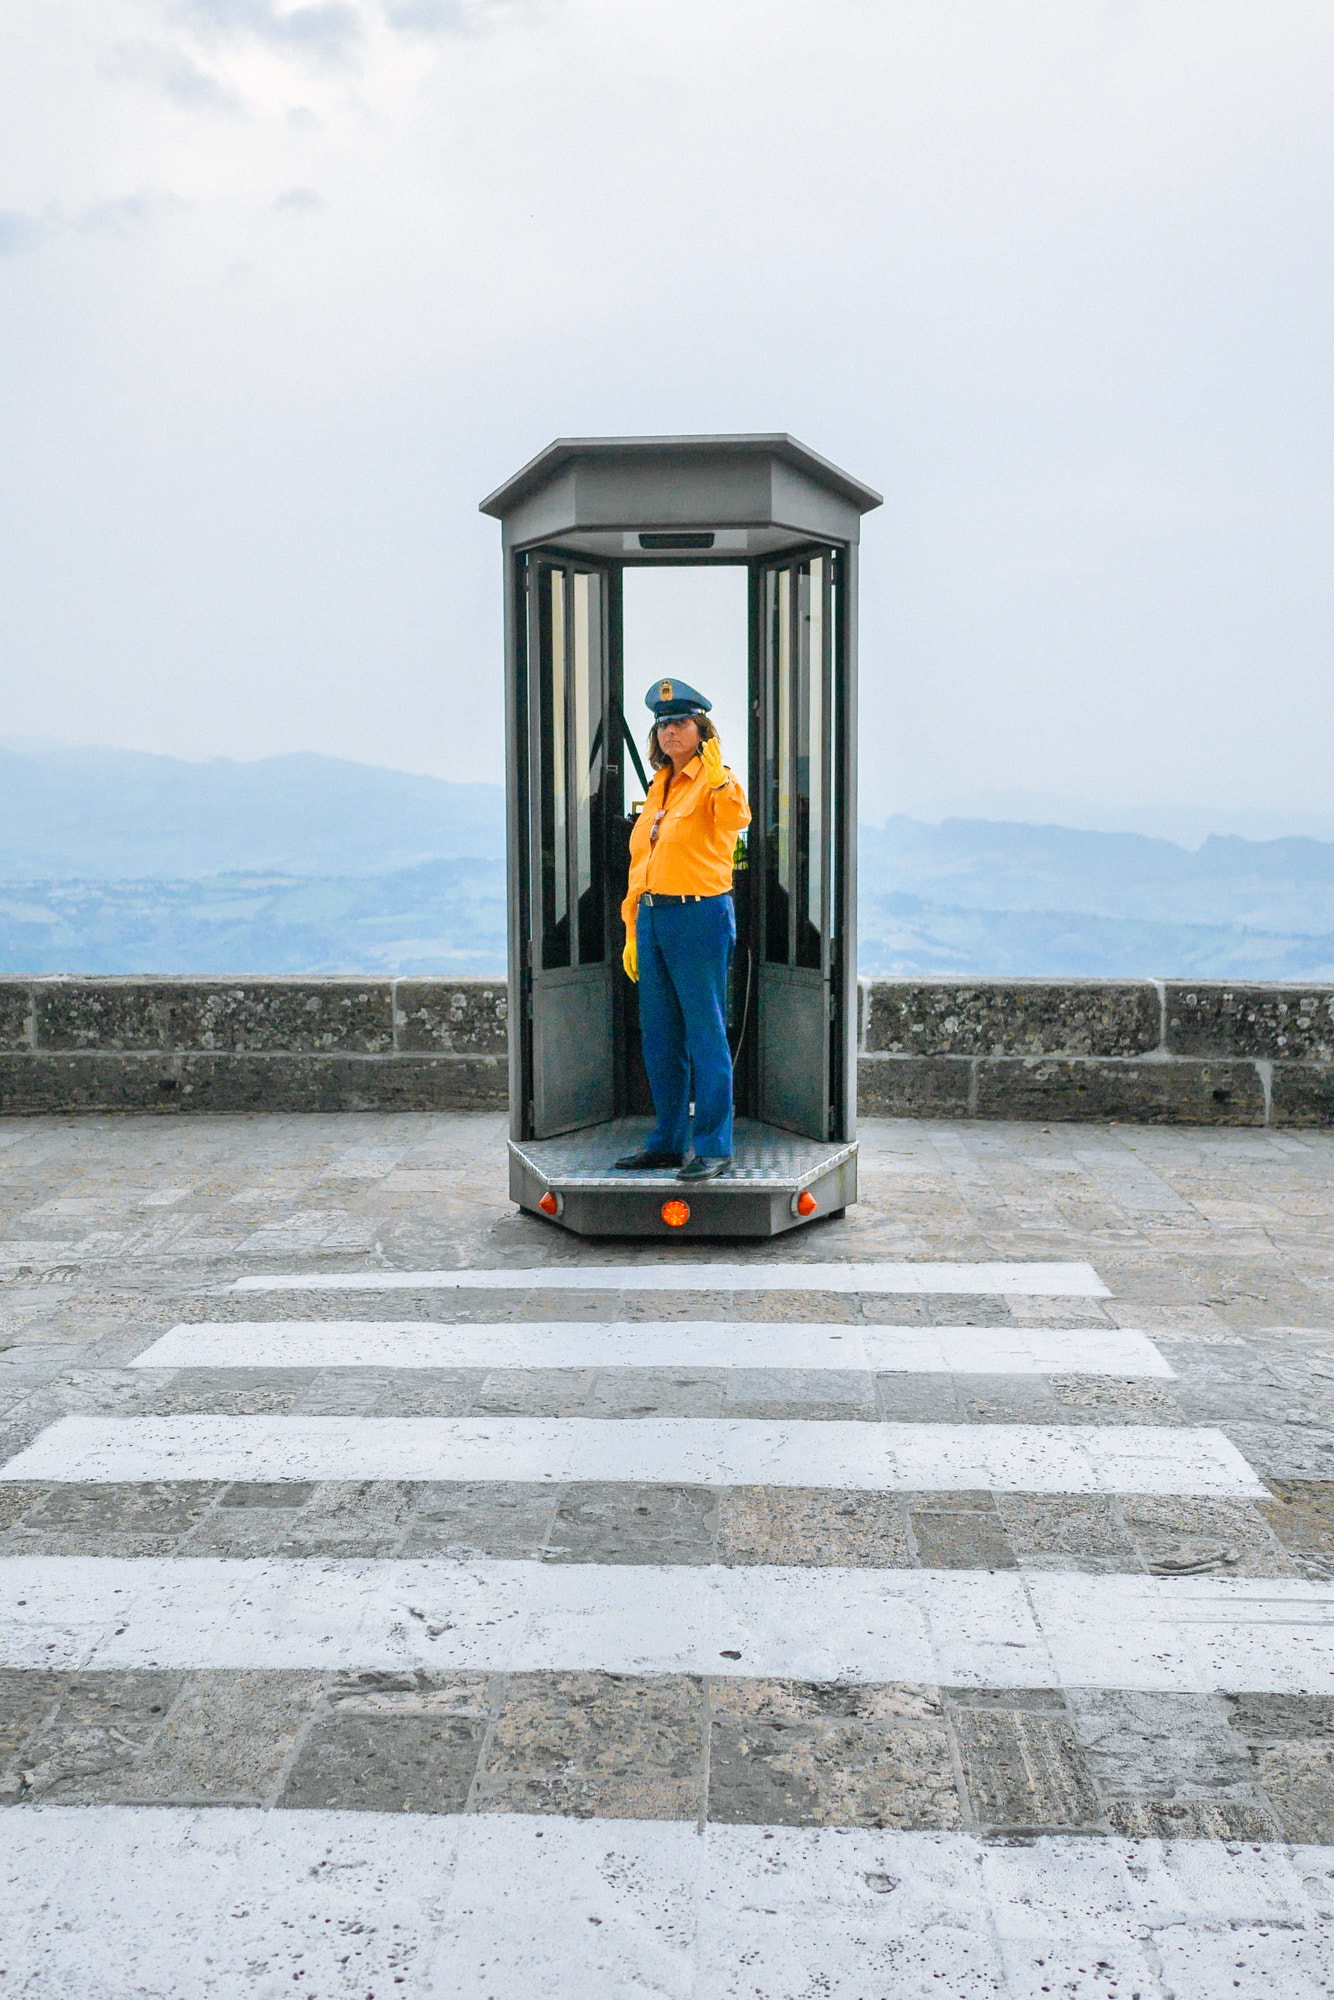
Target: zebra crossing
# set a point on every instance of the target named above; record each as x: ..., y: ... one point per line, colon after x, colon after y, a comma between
x: 558, y: 1828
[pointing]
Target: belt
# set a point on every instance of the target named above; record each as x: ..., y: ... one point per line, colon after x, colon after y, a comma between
x: 649, y: 900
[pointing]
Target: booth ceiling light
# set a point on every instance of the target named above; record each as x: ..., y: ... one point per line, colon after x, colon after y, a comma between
x: 695, y: 538
x: 676, y: 1214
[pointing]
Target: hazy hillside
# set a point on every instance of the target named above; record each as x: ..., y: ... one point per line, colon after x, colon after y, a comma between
x: 117, y: 862
x: 105, y: 814
x: 443, y: 917
x: 1269, y: 885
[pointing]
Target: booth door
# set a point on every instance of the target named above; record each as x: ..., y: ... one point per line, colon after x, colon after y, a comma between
x: 799, y: 950
x: 569, y: 989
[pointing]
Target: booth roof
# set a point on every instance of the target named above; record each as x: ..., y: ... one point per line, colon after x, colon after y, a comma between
x: 774, y: 444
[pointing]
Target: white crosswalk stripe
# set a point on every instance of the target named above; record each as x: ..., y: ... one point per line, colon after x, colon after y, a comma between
x: 954, y: 1627
x: 218, y: 1904
x: 868, y: 1457
x: 1074, y: 1281
x: 928, y: 1350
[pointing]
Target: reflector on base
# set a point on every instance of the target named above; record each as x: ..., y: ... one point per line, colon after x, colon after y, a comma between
x: 676, y: 1214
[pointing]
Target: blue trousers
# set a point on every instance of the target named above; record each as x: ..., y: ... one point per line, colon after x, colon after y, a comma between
x: 685, y: 950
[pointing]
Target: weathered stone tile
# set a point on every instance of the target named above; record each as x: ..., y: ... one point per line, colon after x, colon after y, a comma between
x: 633, y: 1524
x: 386, y: 1763
x: 85, y: 1751
x: 959, y: 1538
x: 656, y: 1392
x: 810, y: 1393
x: 1154, y: 1745
x: 810, y: 1527
x: 1008, y: 1399
x: 240, y: 1531
x: 345, y: 1392
x: 227, y: 1738
x: 1298, y: 1781
x: 917, y: 1399
x: 504, y: 1519
x: 1023, y: 1769
x: 232, y: 1392
x: 889, y: 1772
x: 85, y: 1513
x: 535, y: 1392
x: 1191, y: 1536
x: 426, y: 1392
x: 596, y: 1745
x: 353, y: 1517
x: 1066, y: 1531
x: 411, y: 1692
x: 1104, y: 1399
x: 16, y: 1500
x: 1281, y: 1718
x: 817, y: 1701
x: 26, y: 1699
x: 1286, y: 1453
x: 1033, y: 1701
x: 1301, y: 1514
x: 267, y: 1493
x: 1193, y: 1819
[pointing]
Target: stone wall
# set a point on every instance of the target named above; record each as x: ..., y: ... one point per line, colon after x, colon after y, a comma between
x: 1151, y: 1051
x: 1142, y: 1050
x: 252, y: 1045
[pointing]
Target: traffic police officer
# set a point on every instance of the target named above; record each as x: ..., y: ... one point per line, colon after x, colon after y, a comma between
x: 680, y: 927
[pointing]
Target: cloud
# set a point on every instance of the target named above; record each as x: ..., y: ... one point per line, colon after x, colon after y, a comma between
x: 300, y: 198
x: 115, y: 217
x: 452, y: 17
x: 21, y: 233
x: 328, y: 32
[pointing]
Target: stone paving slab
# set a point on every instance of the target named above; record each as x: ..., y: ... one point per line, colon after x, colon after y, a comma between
x: 818, y: 1527
x: 734, y: 1751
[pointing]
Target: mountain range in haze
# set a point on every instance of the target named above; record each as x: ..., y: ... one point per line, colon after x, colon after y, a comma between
x: 114, y: 861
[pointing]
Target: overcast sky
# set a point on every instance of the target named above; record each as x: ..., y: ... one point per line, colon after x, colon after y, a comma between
x: 284, y: 290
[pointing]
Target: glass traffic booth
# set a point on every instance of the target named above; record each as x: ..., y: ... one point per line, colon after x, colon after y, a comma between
x: 575, y: 521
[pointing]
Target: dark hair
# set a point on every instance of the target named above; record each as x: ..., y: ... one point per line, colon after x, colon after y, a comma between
x: 657, y: 757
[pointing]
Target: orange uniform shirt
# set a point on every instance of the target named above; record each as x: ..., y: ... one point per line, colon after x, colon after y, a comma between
x: 692, y: 855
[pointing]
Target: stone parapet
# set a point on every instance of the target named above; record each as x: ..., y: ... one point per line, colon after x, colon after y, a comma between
x: 318, y: 1044
x: 1172, y: 1052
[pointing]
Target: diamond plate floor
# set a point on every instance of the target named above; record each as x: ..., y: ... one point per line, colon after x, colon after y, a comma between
x: 765, y: 1157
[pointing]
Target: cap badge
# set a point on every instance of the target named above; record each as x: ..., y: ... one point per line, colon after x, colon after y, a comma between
x: 665, y: 691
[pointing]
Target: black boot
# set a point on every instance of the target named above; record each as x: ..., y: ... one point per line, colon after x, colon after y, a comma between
x: 646, y: 1163
x: 702, y: 1168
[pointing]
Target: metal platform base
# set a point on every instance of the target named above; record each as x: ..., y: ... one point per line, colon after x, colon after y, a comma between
x: 757, y: 1196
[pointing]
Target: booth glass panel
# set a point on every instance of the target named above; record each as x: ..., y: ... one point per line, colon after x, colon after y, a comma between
x: 555, y: 858
x: 588, y: 693
x: 812, y: 742
x: 777, y: 786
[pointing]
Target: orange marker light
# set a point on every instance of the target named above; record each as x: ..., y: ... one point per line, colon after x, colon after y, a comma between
x: 676, y: 1214
x: 548, y: 1203
x: 806, y: 1203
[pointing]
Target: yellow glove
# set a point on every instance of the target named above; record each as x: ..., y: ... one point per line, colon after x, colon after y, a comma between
x: 711, y: 757
x: 630, y: 958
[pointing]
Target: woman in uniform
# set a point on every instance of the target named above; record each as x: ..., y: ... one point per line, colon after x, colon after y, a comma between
x: 680, y: 928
